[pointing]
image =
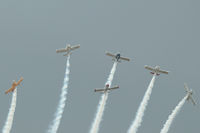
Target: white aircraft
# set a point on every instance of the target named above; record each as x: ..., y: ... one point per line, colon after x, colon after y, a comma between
x: 189, y: 93
x: 67, y: 50
x: 156, y: 70
x: 106, y: 89
x: 117, y: 57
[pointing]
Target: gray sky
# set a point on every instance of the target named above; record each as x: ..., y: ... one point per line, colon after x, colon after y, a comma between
x: 150, y: 32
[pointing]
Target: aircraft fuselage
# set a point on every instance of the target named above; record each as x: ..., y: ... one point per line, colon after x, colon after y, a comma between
x: 117, y: 57
x: 157, y: 68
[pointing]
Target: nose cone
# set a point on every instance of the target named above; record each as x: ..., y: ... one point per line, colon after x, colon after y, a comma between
x: 107, y: 85
x: 157, y: 67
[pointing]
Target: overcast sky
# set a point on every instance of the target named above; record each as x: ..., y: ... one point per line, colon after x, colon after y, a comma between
x: 150, y: 32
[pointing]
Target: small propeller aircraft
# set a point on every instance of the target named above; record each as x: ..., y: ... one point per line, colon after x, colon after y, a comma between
x: 189, y: 93
x: 106, y: 89
x: 67, y: 50
x: 117, y: 57
x: 14, y: 85
x: 156, y: 70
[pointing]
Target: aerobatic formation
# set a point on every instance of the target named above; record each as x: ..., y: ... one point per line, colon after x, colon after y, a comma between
x: 117, y: 58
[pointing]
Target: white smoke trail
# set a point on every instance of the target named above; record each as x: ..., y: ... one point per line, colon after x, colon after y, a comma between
x: 102, y: 103
x: 140, y: 113
x: 112, y: 72
x: 173, y: 115
x: 60, y: 109
x: 99, y: 114
x: 8, y: 125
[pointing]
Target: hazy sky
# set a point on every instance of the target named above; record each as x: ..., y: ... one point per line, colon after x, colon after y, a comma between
x: 150, y: 32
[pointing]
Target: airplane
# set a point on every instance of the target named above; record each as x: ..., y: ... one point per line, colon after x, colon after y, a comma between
x: 117, y: 57
x: 156, y: 70
x: 67, y: 50
x: 14, y: 85
x: 106, y: 89
x: 189, y: 93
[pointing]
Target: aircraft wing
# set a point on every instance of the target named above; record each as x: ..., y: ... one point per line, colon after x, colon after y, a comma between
x: 9, y: 90
x: 149, y: 68
x: 162, y: 71
x: 116, y: 87
x: 123, y: 58
x: 99, y: 90
x: 61, y: 50
x: 75, y: 47
x: 109, y: 54
x: 21, y: 79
